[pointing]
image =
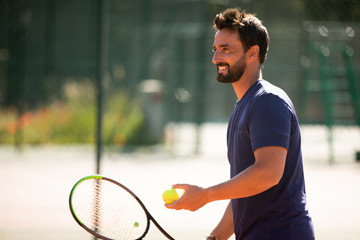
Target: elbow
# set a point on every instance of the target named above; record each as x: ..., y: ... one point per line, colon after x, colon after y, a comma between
x: 270, y: 178
x: 274, y: 179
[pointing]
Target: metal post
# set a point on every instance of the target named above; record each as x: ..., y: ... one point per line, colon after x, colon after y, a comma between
x: 102, y: 55
x: 17, y: 63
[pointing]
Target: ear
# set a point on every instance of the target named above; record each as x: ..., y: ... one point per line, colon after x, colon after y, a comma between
x: 253, y: 53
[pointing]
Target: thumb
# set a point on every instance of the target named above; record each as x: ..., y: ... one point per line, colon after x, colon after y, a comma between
x: 181, y: 186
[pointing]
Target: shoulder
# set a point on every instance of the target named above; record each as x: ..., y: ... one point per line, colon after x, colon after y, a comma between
x: 271, y: 96
x: 270, y: 102
x: 266, y: 89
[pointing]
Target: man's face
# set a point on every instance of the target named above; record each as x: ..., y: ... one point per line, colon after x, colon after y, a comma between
x: 229, y: 56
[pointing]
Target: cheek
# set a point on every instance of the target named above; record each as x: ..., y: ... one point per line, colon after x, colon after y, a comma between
x: 240, y: 61
x: 234, y: 62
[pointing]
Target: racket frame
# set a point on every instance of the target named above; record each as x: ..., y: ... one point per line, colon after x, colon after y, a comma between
x: 148, y: 215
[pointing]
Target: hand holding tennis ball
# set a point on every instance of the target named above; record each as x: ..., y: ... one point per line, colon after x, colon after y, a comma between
x: 170, y: 196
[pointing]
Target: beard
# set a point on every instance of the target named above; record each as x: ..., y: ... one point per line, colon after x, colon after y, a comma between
x: 234, y: 73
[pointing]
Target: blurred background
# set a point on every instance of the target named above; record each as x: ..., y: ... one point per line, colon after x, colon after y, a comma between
x: 128, y: 89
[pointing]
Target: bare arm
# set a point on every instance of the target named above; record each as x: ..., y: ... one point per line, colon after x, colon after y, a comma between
x: 225, y: 227
x: 265, y: 173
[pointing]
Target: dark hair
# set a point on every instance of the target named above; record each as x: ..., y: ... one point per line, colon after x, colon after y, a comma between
x: 250, y: 28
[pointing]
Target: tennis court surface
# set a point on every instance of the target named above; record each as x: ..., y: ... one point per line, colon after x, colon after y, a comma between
x: 37, y: 181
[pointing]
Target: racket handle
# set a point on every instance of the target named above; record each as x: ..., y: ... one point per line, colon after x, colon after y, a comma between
x: 161, y: 229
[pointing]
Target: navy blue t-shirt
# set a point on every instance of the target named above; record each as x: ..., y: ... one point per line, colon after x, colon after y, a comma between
x: 265, y: 116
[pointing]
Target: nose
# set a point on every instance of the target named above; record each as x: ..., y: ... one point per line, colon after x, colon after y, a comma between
x: 216, y: 58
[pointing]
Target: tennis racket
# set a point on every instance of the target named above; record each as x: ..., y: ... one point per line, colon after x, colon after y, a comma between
x: 109, y: 210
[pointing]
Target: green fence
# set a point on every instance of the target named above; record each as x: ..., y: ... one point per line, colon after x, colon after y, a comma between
x: 143, y: 64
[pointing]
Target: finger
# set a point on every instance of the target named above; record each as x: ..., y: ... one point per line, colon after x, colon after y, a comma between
x: 173, y: 205
x: 180, y: 186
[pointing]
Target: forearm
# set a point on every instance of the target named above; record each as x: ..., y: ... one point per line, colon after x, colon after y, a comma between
x: 248, y: 183
x: 225, y: 227
x: 265, y: 173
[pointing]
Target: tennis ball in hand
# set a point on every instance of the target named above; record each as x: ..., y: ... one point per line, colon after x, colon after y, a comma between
x: 170, y: 196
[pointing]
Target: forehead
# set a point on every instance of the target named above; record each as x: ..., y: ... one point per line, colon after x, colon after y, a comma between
x: 227, y: 37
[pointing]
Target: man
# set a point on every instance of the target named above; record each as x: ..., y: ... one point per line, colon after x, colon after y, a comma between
x: 266, y: 188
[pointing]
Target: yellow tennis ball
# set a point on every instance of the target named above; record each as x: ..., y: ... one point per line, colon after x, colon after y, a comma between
x: 136, y: 224
x: 170, y: 196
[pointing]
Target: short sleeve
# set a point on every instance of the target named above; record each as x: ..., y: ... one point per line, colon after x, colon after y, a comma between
x: 270, y: 122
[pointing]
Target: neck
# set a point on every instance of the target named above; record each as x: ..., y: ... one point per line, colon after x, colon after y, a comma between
x: 245, y: 82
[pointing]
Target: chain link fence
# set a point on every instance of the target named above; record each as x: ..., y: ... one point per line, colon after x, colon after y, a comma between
x: 158, y: 66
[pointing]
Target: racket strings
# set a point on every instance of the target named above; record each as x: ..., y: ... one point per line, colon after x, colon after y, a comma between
x: 97, y: 206
x: 114, y: 213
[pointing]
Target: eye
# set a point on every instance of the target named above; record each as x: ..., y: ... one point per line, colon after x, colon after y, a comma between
x: 226, y: 50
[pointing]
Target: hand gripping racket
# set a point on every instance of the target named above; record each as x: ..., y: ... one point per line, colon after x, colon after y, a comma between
x: 109, y: 210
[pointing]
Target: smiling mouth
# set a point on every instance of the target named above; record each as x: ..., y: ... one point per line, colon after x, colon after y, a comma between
x: 222, y: 69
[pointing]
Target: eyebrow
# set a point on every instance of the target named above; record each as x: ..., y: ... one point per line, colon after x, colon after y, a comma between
x: 222, y: 46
